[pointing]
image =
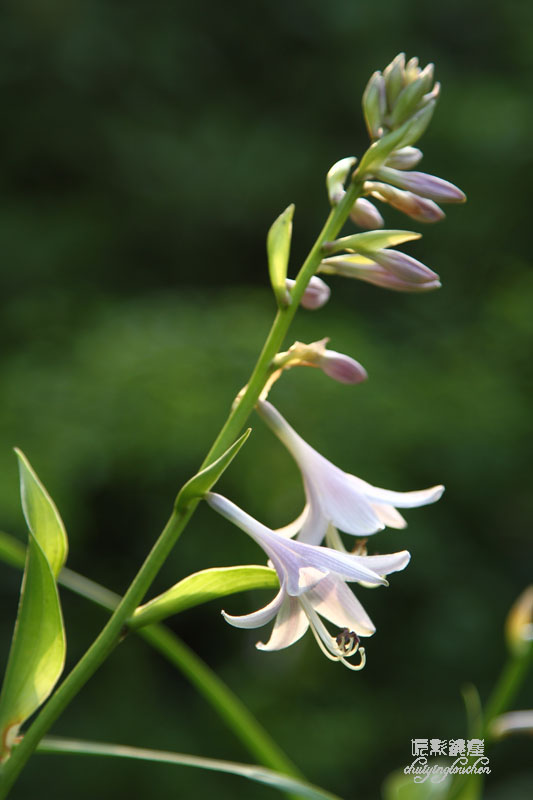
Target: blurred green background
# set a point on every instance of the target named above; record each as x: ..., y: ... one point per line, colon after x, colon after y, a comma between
x: 146, y: 149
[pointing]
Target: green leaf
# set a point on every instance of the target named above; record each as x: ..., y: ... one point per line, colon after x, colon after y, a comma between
x: 254, y: 773
x: 371, y: 240
x: 42, y: 516
x: 202, y: 587
x: 204, y: 480
x: 11, y: 550
x: 278, y: 249
x: 405, y: 135
x: 37, y: 654
x: 399, y: 786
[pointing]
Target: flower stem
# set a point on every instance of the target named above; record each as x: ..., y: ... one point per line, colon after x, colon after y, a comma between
x: 111, y: 633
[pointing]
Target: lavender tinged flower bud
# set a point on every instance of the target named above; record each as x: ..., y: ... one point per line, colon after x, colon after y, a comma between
x: 406, y: 275
x: 418, y: 208
x: 404, y: 158
x: 366, y: 215
x: 341, y: 368
x: 422, y: 184
x: 338, y: 366
x: 375, y: 105
x: 316, y: 294
x: 404, y: 267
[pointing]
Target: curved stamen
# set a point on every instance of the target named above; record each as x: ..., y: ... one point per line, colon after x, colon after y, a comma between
x: 345, y: 645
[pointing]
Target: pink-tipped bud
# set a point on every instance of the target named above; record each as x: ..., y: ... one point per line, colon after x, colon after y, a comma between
x: 342, y: 368
x: 336, y: 365
x: 404, y: 158
x: 404, y: 267
x: 422, y: 184
x: 419, y: 208
x: 366, y: 215
x: 365, y: 269
x: 316, y: 294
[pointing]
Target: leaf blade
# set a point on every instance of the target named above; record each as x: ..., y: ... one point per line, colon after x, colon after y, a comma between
x: 208, y: 584
x: 41, y: 515
x: 38, y: 649
x: 204, y: 480
x: 255, y: 773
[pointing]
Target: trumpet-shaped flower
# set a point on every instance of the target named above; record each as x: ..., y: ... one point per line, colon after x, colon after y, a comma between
x: 313, y: 584
x: 336, y: 497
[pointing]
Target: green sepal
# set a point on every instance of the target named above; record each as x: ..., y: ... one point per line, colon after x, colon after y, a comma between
x: 38, y: 648
x: 42, y: 516
x: 202, y: 482
x: 409, y: 99
x: 278, y: 249
x: 406, y: 134
x: 370, y: 241
x: 202, y: 587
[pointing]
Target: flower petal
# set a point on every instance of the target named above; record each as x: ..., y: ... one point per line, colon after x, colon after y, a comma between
x: 384, y: 565
x: 402, y: 499
x: 291, y: 624
x: 389, y: 516
x: 332, y: 599
x: 258, y: 618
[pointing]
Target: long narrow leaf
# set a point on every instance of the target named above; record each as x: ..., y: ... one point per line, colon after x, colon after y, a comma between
x: 42, y: 515
x: 37, y: 654
x: 255, y: 773
x: 201, y: 587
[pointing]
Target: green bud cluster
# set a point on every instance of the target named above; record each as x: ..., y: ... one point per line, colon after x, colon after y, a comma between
x: 395, y: 96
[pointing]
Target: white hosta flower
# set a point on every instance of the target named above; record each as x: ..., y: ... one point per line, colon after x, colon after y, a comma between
x: 313, y: 584
x: 336, y: 497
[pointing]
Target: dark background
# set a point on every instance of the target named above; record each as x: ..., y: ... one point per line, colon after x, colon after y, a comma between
x: 146, y: 149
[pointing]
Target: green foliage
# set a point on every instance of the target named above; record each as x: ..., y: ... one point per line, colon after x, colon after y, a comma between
x: 283, y: 783
x: 372, y: 240
x: 278, y: 251
x: 201, y: 587
x: 403, y: 787
x: 37, y: 654
x: 204, y: 480
x: 42, y: 517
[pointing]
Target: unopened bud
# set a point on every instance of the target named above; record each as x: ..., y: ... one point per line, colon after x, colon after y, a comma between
x: 422, y: 184
x: 336, y: 178
x: 366, y: 215
x: 405, y: 267
x: 419, y: 208
x: 412, y: 70
x: 394, y: 78
x: 519, y: 624
x: 404, y: 158
x: 316, y: 293
x: 365, y: 269
x: 408, y: 102
x: 338, y: 366
x: 375, y: 105
x: 342, y: 368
